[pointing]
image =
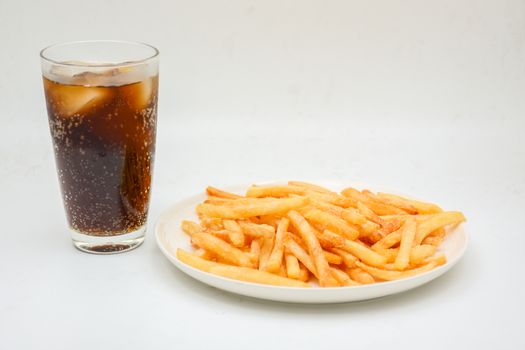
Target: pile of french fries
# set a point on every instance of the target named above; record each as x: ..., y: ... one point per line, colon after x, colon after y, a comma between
x: 294, y: 234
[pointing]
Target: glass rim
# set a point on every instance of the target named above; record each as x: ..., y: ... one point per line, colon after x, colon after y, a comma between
x: 101, y: 65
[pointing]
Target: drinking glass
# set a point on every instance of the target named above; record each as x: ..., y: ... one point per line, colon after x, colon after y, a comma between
x: 101, y: 101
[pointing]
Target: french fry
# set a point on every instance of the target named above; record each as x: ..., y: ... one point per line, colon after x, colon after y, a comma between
x: 234, y: 232
x: 255, y: 249
x: 309, y: 186
x: 421, y: 207
x: 207, y: 255
x: 364, y: 253
x: 408, y: 233
x: 292, y: 266
x: 437, y: 221
x: 388, y: 241
x: 332, y: 222
x: 255, y: 276
x: 274, y: 191
x: 243, y: 210
x: 433, y: 240
x: 389, y: 275
x: 396, y: 202
x: 343, y: 278
x: 361, y: 276
x: 377, y: 207
x: 276, y: 256
x: 222, y: 234
x: 214, y: 224
x: 314, y: 248
x: 420, y: 252
x: 348, y: 259
x: 418, y: 217
x: 270, y: 220
x: 332, y: 258
x: 329, y: 240
x: 294, y: 248
x: 257, y: 230
x: 304, y: 275
x: 195, y: 261
x: 266, y: 250
x: 221, y: 248
x: 215, y: 192
x: 330, y: 197
x: 369, y: 214
x: 389, y: 253
x: 190, y: 227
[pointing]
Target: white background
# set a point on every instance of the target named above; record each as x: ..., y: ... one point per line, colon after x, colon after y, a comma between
x: 426, y: 97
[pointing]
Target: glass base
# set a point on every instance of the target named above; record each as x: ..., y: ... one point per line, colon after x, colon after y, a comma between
x: 108, y: 244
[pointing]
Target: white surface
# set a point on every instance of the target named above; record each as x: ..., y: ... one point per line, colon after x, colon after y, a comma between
x: 423, y: 97
x: 170, y: 237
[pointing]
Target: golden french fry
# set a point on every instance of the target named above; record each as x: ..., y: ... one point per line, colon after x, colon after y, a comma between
x: 195, y: 261
x: 348, y: 259
x: 271, y: 220
x: 234, y: 232
x: 214, y: 224
x: 332, y: 222
x: 292, y: 266
x: 370, y: 228
x: 222, y: 234
x: 215, y: 192
x: 266, y: 250
x: 388, y: 241
x: 364, y: 253
x: 257, y: 230
x: 395, y: 202
x: 433, y: 240
x: 221, y: 248
x: 377, y: 207
x: 309, y: 186
x: 389, y: 253
x: 343, y: 278
x: 255, y: 250
x: 329, y: 239
x: 420, y: 252
x: 207, y: 255
x: 294, y: 248
x: 437, y: 221
x: 256, y: 207
x: 304, y: 275
x: 421, y: 207
x: 314, y: 248
x: 330, y: 197
x: 255, y: 276
x: 361, y: 276
x: 190, y: 227
x: 332, y: 258
x: 389, y: 275
x: 418, y: 217
x: 368, y: 213
x: 408, y: 233
x: 276, y: 256
x: 274, y: 191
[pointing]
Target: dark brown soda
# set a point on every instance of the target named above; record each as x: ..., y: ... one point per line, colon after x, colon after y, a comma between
x: 104, y: 143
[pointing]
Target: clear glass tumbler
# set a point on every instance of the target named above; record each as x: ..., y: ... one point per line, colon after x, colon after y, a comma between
x: 102, y: 108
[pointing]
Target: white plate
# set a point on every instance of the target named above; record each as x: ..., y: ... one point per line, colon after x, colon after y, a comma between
x: 170, y: 237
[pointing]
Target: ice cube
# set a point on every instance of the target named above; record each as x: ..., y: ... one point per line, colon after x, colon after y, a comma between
x: 138, y: 95
x: 102, y: 78
x: 69, y: 100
